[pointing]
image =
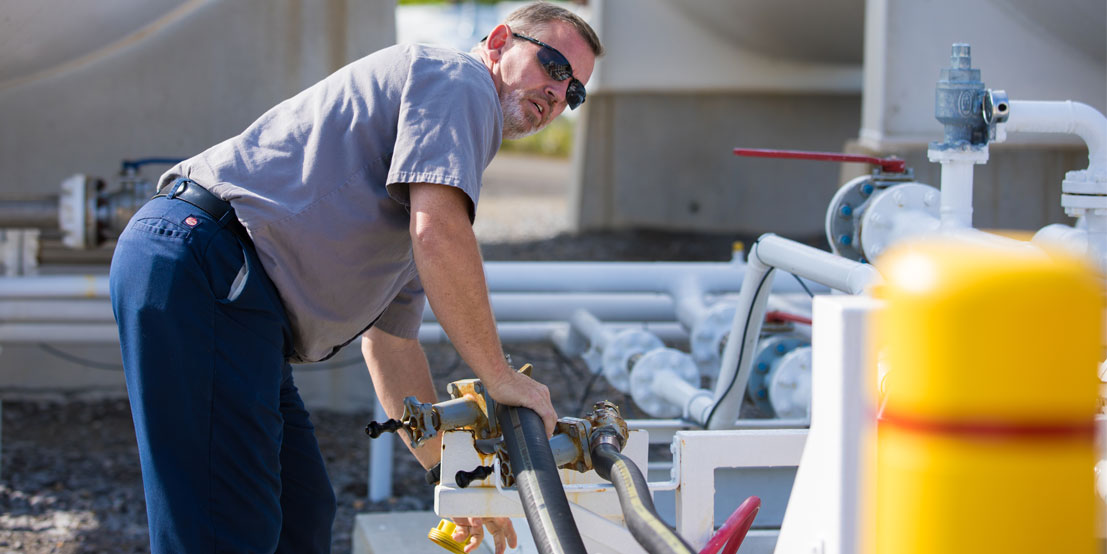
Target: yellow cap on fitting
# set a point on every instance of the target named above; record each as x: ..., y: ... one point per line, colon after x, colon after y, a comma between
x: 443, y: 536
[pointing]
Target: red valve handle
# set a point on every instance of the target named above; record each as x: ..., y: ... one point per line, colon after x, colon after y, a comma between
x: 890, y: 165
x: 730, y: 536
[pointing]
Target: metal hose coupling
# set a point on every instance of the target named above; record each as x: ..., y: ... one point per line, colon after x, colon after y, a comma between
x: 608, y: 426
x: 609, y: 435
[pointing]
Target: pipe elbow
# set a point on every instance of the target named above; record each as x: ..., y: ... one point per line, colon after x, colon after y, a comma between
x: 1091, y: 126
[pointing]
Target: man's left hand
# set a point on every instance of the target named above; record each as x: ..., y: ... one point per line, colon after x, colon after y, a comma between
x: 470, y: 531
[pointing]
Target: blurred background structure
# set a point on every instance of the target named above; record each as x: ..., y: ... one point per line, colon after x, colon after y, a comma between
x: 84, y: 86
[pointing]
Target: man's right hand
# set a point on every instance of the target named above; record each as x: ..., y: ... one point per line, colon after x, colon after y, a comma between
x: 511, y: 388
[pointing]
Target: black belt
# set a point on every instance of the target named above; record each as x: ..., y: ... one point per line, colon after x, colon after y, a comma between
x: 198, y: 196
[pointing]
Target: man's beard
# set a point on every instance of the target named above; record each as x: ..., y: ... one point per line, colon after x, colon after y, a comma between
x: 517, y: 120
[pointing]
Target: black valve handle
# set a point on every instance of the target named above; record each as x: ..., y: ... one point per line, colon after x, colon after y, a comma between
x: 375, y: 429
x: 464, y: 478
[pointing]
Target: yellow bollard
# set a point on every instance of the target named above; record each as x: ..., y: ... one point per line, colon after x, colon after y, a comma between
x: 985, y: 435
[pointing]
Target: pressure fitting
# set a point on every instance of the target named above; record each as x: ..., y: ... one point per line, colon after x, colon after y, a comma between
x: 468, y: 408
x: 959, y: 100
x: 608, y: 427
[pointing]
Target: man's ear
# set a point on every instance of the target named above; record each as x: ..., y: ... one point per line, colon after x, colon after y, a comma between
x: 497, y: 41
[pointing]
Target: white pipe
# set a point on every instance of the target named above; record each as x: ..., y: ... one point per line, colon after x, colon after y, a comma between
x: 593, y: 329
x: 1064, y: 117
x: 608, y: 306
x: 55, y: 286
x: 688, y: 297
x: 811, y: 263
x: 72, y: 311
x: 956, y: 207
x: 696, y: 403
x: 984, y: 238
x: 576, y: 277
x: 768, y: 253
x: 429, y: 332
x: 1096, y: 223
x: 542, y: 331
x: 614, y: 276
x: 380, y: 459
x: 1090, y: 241
x: 507, y: 307
x: 58, y: 332
x: 1057, y: 235
x: 735, y: 366
x: 917, y: 223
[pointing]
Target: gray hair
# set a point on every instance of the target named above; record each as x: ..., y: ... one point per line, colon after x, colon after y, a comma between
x: 528, y: 19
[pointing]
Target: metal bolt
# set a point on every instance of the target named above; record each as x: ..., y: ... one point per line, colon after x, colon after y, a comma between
x: 866, y: 189
x: 762, y: 367
x: 845, y: 240
x: 762, y: 393
x: 780, y: 349
x: 478, y: 387
x: 847, y: 210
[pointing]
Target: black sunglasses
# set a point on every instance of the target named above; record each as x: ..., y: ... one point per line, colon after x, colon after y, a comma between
x: 557, y: 66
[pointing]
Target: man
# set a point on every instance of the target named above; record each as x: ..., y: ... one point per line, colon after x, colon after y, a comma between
x: 325, y: 220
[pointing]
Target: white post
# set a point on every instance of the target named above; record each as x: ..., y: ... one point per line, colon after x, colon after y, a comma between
x: 824, y: 509
x: 380, y: 460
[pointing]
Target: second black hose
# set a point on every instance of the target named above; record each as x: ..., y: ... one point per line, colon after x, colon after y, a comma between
x: 634, y: 497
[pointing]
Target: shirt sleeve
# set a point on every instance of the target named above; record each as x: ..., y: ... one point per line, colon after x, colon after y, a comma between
x: 448, y: 130
x: 402, y: 317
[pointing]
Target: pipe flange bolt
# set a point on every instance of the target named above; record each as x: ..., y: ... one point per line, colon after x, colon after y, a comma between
x: 769, y: 352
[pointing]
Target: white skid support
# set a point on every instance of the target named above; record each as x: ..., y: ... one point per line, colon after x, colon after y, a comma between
x: 824, y: 510
x: 482, y: 499
x: 603, y: 536
x: 696, y: 456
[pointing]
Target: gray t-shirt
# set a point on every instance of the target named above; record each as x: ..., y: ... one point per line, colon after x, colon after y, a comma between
x: 319, y: 183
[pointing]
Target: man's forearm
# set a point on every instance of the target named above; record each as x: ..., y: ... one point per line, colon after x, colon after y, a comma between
x: 450, y: 267
x: 399, y: 369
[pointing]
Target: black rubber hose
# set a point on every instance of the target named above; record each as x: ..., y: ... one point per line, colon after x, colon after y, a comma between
x: 548, y: 515
x: 634, y: 497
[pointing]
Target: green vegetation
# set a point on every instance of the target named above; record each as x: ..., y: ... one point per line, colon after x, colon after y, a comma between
x: 556, y: 140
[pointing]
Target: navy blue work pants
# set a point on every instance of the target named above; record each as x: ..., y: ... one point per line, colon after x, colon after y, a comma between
x: 229, y: 457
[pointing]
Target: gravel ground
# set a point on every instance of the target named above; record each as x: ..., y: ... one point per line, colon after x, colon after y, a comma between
x: 70, y: 479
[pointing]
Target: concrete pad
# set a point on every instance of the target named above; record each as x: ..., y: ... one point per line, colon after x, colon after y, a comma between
x: 406, y: 532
